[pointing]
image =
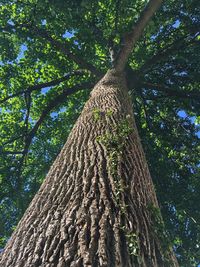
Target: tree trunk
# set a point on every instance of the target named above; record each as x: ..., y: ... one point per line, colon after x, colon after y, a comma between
x: 97, y: 205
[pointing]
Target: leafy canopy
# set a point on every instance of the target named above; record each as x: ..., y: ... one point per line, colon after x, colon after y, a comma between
x: 53, y: 52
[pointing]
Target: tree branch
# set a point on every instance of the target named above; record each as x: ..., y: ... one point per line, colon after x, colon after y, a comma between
x: 131, y: 38
x: 27, y: 98
x: 51, y: 105
x: 171, y: 91
x: 177, y: 45
x: 65, y: 49
x: 43, y: 85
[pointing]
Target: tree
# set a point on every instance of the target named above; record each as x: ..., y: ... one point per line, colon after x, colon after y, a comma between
x: 97, y: 205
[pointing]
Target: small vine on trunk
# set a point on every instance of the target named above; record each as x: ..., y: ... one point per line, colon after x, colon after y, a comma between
x: 114, y: 142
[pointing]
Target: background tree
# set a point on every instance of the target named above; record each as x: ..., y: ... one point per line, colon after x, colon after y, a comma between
x: 53, y: 52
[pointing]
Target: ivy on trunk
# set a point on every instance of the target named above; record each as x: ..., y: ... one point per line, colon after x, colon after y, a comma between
x: 97, y: 205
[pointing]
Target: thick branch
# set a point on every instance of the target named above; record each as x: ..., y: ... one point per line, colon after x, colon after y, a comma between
x: 43, y: 85
x: 51, y: 105
x: 181, y: 43
x: 171, y: 91
x: 27, y: 98
x: 65, y: 49
x: 62, y: 47
x: 131, y: 38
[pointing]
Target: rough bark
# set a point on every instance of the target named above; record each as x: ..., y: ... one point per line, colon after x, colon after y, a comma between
x: 97, y: 205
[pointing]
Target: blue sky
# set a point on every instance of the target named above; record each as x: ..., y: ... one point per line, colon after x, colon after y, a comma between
x: 183, y: 114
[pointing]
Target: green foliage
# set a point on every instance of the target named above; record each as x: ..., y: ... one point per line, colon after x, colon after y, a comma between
x: 115, y: 140
x: 114, y: 143
x: 165, y: 95
x: 132, y: 239
x: 96, y: 114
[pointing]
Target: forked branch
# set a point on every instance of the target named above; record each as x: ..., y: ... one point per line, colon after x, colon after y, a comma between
x: 40, y: 86
x: 131, y: 38
x: 172, y: 91
x: 65, y: 49
x: 59, y: 99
